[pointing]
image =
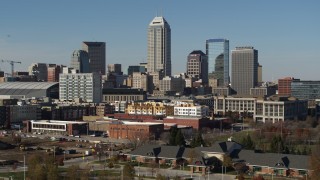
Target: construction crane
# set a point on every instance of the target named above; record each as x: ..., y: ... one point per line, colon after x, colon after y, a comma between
x: 12, y: 65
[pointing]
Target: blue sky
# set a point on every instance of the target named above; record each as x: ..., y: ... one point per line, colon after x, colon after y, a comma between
x: 286, y: 32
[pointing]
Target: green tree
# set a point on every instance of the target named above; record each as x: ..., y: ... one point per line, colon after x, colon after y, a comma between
x: 247, y: 142
x: 286, y: 150
x: 277, y: 145
x: 197, y: 141
x: 173, y: 134
x: 128, y: 171
x: 304, y: 151
x: 180, y: 139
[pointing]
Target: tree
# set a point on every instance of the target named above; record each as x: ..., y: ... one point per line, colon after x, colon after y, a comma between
x: 227, y: 161
x: 160, y: 177
x: 51, y: 168
x: 39, y: 173
x: 191, y: 155
x: 247, y: 142
x: 85, y: 173
x: 128, y: 171
x: 197, y: 140
x: 179, y: 140
x: 42, y: 167
x: 314, y: 162
x: 173, y: 134
x: 72, y: 172
x: 277, y: 145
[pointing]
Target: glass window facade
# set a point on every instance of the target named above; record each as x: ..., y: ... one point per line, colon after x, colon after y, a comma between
x: 217, y: 51
x: 305, y: 89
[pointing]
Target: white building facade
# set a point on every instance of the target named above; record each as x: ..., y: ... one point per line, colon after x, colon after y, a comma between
x: 87, y: 86
x: 262, y: 110
x: 188, y: 110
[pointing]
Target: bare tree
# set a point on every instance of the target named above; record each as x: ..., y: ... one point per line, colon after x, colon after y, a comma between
x: 314, y: 162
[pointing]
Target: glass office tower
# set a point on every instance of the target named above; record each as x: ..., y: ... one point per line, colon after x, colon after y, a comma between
x: 217, y: 51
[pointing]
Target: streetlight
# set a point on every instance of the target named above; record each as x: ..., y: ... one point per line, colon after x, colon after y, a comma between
x: 138, y: 169
x: 24, y: 167
x: 222, y: 172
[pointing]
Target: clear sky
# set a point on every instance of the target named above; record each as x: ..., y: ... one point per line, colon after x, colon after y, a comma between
x: 285, y: 32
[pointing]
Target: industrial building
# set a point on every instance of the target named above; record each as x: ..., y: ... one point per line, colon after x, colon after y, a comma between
x: 30, y: 89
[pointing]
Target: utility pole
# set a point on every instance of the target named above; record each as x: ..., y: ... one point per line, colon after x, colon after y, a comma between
x: 24, y: 167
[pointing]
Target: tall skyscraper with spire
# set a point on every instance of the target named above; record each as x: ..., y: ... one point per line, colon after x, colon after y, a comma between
x: 159, y: 46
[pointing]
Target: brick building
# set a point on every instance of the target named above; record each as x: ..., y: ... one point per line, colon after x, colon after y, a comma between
x: 195, y: 122
x: 135, y: 130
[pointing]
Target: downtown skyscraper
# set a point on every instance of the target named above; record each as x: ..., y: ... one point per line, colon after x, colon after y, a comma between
x: 80, y: 61
x: 159, y: 46
x: 197, y: 65
x: 97, y: 56
x: 244, y: 69
x: 217, y: 51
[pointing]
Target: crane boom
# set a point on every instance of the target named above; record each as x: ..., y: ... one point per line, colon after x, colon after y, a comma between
x: 12, y: 65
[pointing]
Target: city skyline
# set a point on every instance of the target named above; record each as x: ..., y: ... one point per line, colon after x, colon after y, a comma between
x: 285, y: 33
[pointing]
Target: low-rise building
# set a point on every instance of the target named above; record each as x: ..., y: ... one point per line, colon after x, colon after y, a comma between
x: 53, y: 126
x: 273, y: 109
x: 191, y: 110
x: 123, y: 94
x: 135, y: 130
x: 148, y: 108
x: 194, y: 122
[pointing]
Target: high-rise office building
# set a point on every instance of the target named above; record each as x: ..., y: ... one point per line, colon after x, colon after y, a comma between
x: 284, y: 86
x: 80, y: 61
x: 217, y: 51
x: 53, y: 72
x: 244, y: 69
x: 132, y: 69
x: 114, y: 68
x: 140, y: 81
x: 197, y: 66
x: 39, y: 70
x: 97, y: 56
x: 159, y: 46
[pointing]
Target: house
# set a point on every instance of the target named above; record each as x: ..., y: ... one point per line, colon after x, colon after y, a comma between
x: 274, y: 164
x: 204, y: 159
